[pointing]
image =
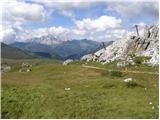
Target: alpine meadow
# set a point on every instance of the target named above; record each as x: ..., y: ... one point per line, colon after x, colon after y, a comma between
x: 79, y: 59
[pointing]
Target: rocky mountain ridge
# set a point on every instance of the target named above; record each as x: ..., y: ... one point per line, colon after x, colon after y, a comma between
x: 146, y: 44
x: 46, y: 40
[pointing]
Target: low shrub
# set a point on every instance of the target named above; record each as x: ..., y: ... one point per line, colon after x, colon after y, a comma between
x: 104, y: 73
x: 130, y: 82
x: 139, y: 60
x: 116, y: 74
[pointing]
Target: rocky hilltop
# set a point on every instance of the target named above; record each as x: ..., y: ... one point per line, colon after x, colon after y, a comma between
x: 124, y: 50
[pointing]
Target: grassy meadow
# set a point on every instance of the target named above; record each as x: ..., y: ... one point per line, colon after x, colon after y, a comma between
x: 92, y: 93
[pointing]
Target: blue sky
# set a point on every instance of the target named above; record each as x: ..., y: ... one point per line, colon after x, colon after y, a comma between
x: 100, y: 21
x: 94, y: 11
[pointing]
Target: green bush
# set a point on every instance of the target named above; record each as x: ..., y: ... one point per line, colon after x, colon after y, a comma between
x: 116, y: 74
x: 140, y: 59
x: 105, y: 73
x: 131, y: 84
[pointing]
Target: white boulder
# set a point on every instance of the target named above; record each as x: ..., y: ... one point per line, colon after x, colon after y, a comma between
x: 66, y: 62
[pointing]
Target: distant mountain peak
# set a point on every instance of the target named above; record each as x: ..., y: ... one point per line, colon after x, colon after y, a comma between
x: 46, y: 40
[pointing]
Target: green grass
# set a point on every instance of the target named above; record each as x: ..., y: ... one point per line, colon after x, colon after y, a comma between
x: 94, y: 93
x: 141, y: 59
x: 113, y: 65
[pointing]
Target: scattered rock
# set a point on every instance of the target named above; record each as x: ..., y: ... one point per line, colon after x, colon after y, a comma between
x: 152, y: 107
x: 66, y: 62
x: 88, y: 57
x: 5, y: 67
x: 67, y: 89
x: 25, y: 67
x: 125, y: 62
x: 128, y: 80
x: 122, y: 64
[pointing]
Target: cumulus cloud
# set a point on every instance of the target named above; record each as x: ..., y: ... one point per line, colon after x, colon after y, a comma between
x: 135, y: 8
x: 102, y: 28
x: 9, y: 35
x: 68, y: 13
x: 15, y: 14
x: 99, y: 29
x: 65, y: 7
x: 100, y: 24
x: 63, y: 4
x: 58, y: 30
x: 79, y: 32
x: 21, y: 13
x: 35, y: 33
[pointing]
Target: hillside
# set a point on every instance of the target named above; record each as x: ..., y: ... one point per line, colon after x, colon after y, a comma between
x: 14, y: 53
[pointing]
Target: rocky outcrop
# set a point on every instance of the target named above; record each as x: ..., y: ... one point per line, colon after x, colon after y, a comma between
x: 146, y: 44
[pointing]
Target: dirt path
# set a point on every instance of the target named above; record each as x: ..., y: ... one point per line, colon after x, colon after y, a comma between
x: 128, y: 71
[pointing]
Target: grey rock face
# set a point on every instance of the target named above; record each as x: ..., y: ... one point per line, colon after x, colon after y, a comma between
x: 146, y: 44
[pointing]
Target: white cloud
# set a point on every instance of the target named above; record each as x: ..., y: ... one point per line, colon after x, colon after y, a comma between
x: 100, y: 24
x: 101, y: 29
x: 116, y: 34
x: 65, y: 7
x: 134, y: 8
x: 63, y: 3
x: 73, y: 33
x: 79, y: 32
x: 141, y: 24
x: 58, y: 30
x: 21, y: 13
x: 8, y: 35
x: 55, y: 31
x: 68, y: 13
x: 15, y: 14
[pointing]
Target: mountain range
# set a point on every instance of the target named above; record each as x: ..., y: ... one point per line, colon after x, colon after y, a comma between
x: 56, y: 48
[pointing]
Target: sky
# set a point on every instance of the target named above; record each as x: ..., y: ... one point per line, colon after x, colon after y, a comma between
x: 101, y: 20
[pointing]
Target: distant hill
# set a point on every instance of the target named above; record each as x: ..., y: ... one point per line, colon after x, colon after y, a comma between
x: 33, y: 46
x: 15, y: 53
x: 10, y: 52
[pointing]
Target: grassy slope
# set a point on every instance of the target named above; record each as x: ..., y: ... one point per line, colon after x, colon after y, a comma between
x: 93, y: 94
x: 15, y: 53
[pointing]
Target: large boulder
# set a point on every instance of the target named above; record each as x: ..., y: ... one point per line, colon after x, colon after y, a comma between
x: 5, y: 67
x: 66, y: 62
x: 88, y: 57
x: 25, y: 67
